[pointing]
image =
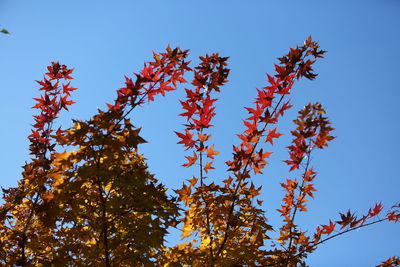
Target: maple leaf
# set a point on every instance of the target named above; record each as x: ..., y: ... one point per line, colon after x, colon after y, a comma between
x: 272, y: 134
x: 327, y: 229
x: 35, y: 134
x: 59, y: 132
x: 208, y: 167
x: 208, y: 105
x: 211, y: 152
x: 67, y: 89
x: 148, y: 72
x: 64, y: 102
x: 393, y: 216
x: 203, y: 137
x: 184, y: 193
x: 252, y: 126
x: 191, y: 109
x: 265, y: 99
x: 274, y: 82
x: 256, y: 113
x: 376, y: 210
x: 204, y: 122
x: 191, y: 160
x: 187, y: 140
x: 193, y: 181
x: 346, y: 219
x: 308, y: 189
x: 228, y: 181
x: 284, y: 107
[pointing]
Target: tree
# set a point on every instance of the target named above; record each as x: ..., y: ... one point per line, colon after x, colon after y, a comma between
x: 87, y: 197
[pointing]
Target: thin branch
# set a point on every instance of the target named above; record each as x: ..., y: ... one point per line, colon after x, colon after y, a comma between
x: 322, y: 241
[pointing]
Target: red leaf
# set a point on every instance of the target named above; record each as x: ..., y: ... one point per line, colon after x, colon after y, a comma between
x: 187, y: 140
x: 327, y: 229
x: 393, y: 216
x: 271, y: 135
x: 376, y: 210
x: 190, y: 107
x: 346, y: 219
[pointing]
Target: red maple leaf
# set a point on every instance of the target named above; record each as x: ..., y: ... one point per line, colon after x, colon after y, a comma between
x: 256, y: 113
x: 346, y: 219
x: 327, y: 229
x: 191, y: 109
x: 393, y: 216
x: 271, y: 135
x: 187, y: 140
x: 376, y: 210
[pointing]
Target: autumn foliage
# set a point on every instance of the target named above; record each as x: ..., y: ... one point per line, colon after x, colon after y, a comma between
x: 86, y: 197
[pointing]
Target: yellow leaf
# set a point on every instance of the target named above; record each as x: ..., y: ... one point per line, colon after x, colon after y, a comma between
x: 57, y: 181
x: 186, y: 230
x: 108, y: 187
x: 91, y: 242
x: 205, y: 241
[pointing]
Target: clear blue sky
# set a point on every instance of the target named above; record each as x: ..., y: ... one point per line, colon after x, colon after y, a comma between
x: 357, y: 84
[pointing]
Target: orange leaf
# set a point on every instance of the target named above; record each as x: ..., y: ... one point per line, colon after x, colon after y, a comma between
x: 211, y: 152
x: 48, y: 196
x: 191, y: 160
x: 193, y: 181
x: 204, y: 137
x: 184, y: 193
x: 208, y: 167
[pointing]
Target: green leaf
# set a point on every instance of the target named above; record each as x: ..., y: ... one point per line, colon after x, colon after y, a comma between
x: 4, y: 31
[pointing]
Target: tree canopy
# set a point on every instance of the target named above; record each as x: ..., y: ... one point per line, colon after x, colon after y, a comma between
x: 87, y: 197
